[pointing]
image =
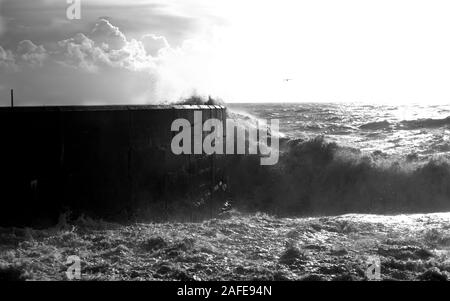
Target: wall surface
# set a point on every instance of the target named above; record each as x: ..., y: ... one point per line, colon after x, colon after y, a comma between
x: 99, y: 160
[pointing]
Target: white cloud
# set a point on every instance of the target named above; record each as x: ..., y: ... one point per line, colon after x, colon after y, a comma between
x: 153, y: 44
x: 102, y: 67
x: 105, y: 46
x: 80, y: 52
x: 107, y: 35
x: 28, y: 52
x: 7, y: 59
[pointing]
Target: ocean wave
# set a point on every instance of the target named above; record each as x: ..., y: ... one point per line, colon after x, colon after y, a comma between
x: 316, y: 176
x: 425, y: 123
x: 377, y: 125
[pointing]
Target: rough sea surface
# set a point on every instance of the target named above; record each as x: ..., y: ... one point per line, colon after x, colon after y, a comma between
x: 395, y: 130
x: 386, y: 159
x: 241, y: 247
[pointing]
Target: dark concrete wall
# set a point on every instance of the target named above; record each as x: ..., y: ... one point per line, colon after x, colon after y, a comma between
x: 98, y: 160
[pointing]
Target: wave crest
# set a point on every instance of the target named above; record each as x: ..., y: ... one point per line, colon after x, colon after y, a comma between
x: 377, y: 125
x: 425, y: 123
x: 317, y: 177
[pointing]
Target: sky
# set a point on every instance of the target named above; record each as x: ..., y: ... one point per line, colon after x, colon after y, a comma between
x: 161, y: 51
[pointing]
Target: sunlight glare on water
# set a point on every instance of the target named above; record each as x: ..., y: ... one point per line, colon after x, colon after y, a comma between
x: 398, y: 131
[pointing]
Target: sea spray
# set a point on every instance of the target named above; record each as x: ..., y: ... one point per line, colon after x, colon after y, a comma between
x: 316, y: 176
x: 248, y: 140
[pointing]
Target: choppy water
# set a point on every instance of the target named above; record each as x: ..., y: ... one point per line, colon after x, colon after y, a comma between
x: 418, y: 130
x: 242, y: 247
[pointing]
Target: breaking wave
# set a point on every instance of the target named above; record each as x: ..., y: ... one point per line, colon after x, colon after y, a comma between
x: 407, y: 124
x: 318, y: 177
x: 425, y: 123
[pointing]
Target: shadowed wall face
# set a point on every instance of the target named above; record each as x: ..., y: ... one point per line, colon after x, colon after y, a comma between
x: 97, y: 160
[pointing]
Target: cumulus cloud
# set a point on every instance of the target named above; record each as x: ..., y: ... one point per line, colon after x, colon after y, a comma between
x: 31, y: 54
x: 107, y: 35
x: 102, y: 66
x: 80, y: 52
x: 153, y: 44
x: 105, y: 46
x: 6, y: 58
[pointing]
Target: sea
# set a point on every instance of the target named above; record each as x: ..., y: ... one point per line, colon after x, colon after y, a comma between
x: 415, y: 131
